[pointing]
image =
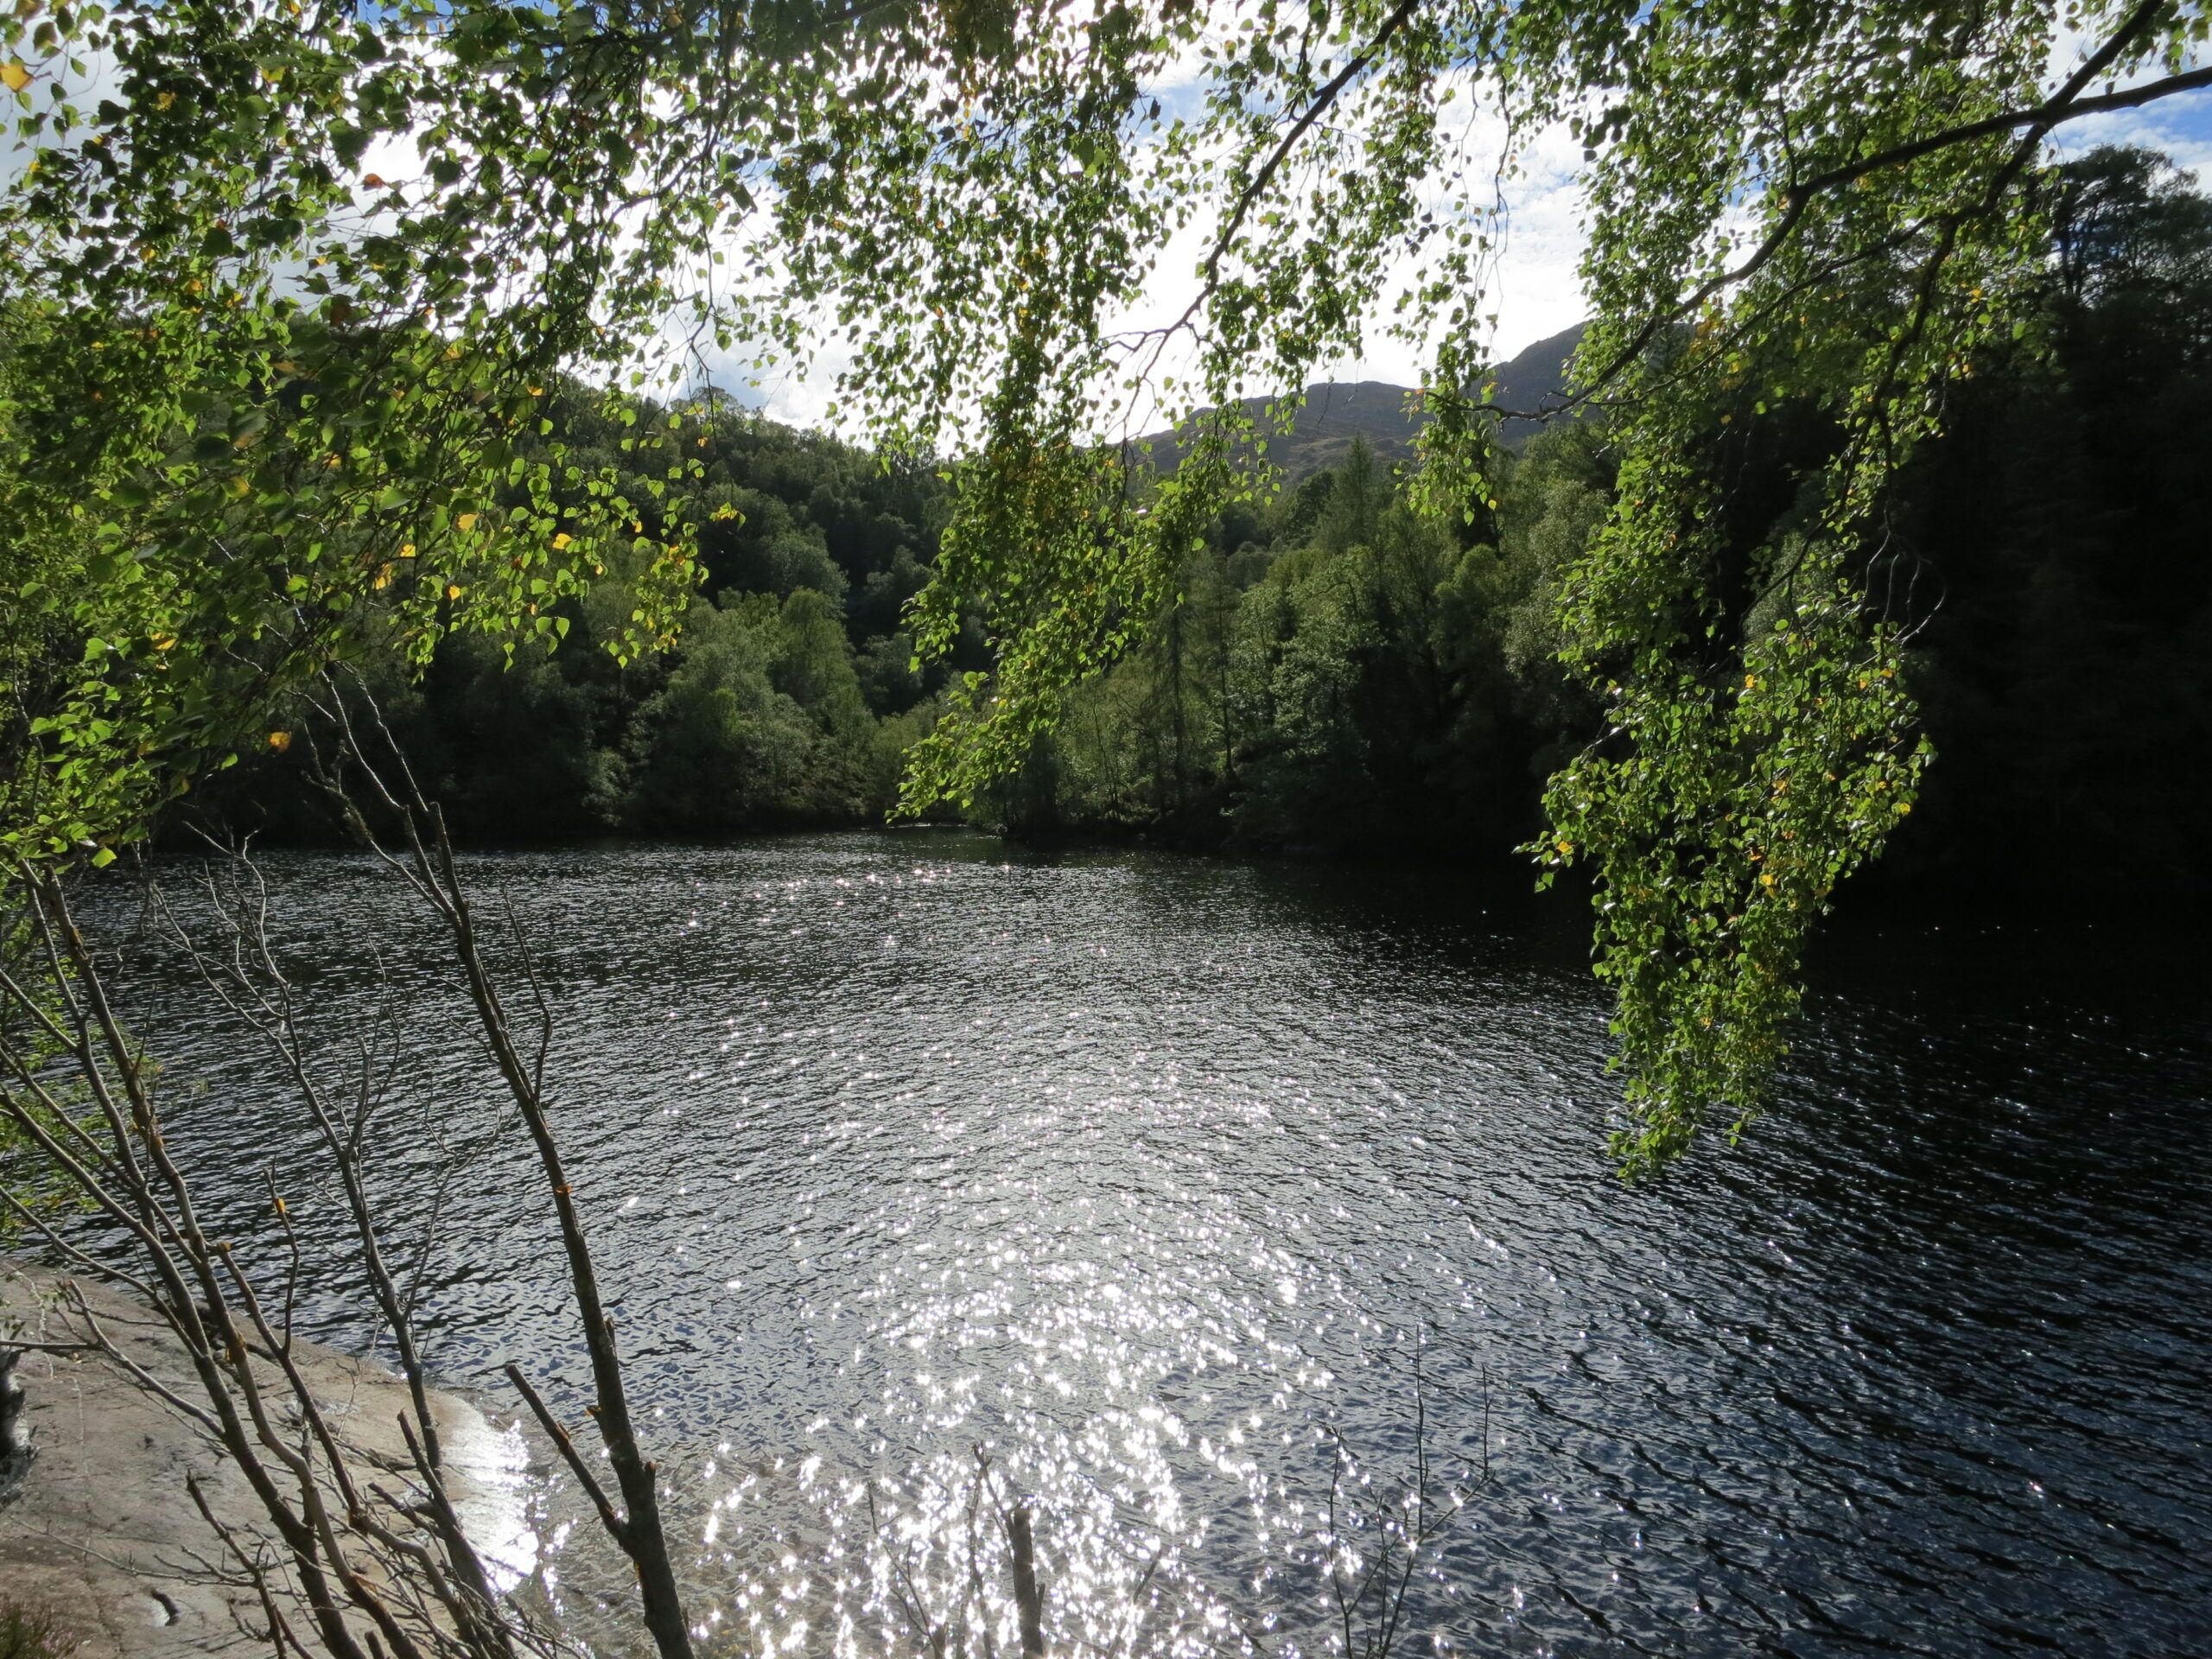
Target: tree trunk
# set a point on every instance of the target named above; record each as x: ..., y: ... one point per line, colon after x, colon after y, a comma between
x: 1028, y: 1599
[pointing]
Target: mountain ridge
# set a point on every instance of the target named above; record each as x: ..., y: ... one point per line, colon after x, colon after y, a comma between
x: 1336, y: 412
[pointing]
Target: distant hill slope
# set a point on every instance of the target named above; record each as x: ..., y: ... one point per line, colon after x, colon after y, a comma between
x: 1336, y: 411
x: 1537, y: 373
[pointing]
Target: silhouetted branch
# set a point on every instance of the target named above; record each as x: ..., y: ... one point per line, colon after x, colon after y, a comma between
x: 429, y: 865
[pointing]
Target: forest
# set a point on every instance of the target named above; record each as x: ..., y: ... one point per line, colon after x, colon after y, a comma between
x: 1341, y: 673
x: 477, y: 1182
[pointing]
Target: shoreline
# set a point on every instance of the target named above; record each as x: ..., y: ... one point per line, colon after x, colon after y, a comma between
x: 98, y: 1530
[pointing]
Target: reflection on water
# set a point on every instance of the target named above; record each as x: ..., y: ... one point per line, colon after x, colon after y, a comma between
x: 488, y: 1466
x: 1250, y: 1221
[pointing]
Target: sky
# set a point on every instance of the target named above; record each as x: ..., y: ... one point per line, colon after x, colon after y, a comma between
x: 1535, y: 294
x: 1536, y: 290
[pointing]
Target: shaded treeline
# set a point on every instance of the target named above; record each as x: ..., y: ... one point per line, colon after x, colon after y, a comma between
x: 1340, y: 673
x: 2068, y: 671
x: 787, y: 701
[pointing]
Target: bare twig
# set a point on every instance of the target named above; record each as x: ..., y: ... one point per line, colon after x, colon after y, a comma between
x: 430, y: 868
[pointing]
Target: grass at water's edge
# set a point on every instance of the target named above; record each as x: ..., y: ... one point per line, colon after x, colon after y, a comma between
x: 29, y: 1632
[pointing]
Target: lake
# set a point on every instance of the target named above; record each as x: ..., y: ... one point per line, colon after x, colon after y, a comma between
x: 1243, y: 1212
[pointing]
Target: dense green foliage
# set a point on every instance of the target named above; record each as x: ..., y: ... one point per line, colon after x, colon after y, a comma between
x: 1832, y: 210
x: 2066, y: 668
x: 284, y: 287
x: 259, y: 405
x: 1341, y: 672
x: 787, y: 700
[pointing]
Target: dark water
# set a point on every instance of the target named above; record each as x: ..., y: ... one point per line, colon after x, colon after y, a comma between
x: 1225, y: 1203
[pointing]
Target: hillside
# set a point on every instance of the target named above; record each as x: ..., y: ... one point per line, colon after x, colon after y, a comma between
x: 1536, y: 373
x: 1336, y: 411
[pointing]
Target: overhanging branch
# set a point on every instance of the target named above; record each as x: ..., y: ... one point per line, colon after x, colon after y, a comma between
x: 2064, y: 106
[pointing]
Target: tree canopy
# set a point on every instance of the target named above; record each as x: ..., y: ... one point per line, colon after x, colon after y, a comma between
x: 285, y: 284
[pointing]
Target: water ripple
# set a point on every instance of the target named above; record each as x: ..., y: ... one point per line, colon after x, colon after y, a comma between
x: 1238, y: 1214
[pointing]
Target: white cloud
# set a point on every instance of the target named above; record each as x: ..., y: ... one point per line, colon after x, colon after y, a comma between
x: 2181, y: 127
x: 1533, y: 290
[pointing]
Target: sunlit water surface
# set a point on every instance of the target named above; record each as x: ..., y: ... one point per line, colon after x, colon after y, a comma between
x: 1248, y: 1217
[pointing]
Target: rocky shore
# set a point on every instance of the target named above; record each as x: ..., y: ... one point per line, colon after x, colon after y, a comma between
x: 99, y: 1529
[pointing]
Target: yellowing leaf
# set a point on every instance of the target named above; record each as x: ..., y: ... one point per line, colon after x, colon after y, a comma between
x: 466, y: 522
x: 162, y: 100
x: 14, y: 76
x: 561, y: 541
x: 452, y: 590
x: 280, y: 741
